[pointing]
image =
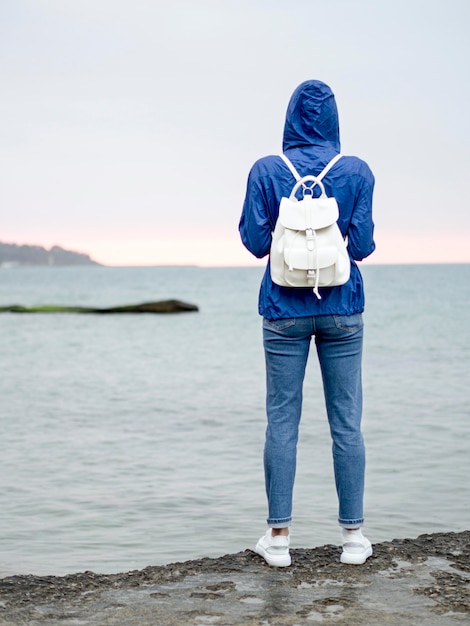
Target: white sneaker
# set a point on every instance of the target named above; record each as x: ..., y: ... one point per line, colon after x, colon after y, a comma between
x: 274, y: 550
x: 356, y: 547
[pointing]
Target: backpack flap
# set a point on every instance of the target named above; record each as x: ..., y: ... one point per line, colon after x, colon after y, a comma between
x: 308, y: 213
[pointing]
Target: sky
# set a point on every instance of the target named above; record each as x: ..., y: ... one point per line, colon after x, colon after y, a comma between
x: 128, y: 127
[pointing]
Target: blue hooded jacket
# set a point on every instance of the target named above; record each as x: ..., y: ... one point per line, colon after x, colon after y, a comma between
x: 311, y: 140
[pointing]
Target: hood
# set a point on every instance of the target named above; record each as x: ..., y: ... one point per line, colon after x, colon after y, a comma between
x: 312, y: 117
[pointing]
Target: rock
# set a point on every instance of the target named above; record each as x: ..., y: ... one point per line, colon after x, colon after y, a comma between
x: 163, y: 306
x: 411, y: 581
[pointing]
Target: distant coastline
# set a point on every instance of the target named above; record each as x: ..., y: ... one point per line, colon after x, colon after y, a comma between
x: 15, y: 255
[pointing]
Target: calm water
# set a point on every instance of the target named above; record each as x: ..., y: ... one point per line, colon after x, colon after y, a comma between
x: 129, y: 441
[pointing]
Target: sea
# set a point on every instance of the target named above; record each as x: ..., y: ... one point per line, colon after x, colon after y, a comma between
x: 136, y: 440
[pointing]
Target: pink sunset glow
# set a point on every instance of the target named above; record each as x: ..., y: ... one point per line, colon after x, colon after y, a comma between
x: 228, y: 251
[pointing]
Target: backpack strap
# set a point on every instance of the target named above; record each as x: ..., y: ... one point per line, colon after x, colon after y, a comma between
x: 328, y: 166
x: 294, y: 172
x: 320, y: 176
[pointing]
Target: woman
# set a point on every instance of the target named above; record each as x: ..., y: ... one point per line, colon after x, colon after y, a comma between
x: 292, y: 316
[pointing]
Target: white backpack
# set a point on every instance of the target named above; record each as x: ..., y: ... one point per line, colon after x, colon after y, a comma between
x: 307, y: 248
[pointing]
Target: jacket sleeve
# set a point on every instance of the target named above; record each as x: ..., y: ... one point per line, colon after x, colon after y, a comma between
x: 361, y: 228
x: 255, y: 223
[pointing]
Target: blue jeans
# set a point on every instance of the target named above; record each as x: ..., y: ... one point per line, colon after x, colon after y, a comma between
x: 338, y: 340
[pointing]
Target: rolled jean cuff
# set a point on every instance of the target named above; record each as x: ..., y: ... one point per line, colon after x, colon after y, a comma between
x: 279, y: 523
x: 349, y: 524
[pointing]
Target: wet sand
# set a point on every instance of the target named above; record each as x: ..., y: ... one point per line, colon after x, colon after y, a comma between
x: 422, y: 581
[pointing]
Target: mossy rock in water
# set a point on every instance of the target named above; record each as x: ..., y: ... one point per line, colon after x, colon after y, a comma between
x: 46, y: 308
x: 162, y: 306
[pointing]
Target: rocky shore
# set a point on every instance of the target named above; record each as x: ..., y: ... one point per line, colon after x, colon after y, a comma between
x: 422, y: 581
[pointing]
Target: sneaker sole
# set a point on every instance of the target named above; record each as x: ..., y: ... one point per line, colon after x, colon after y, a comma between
x: 283, y: 560
x: 356, y: 559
